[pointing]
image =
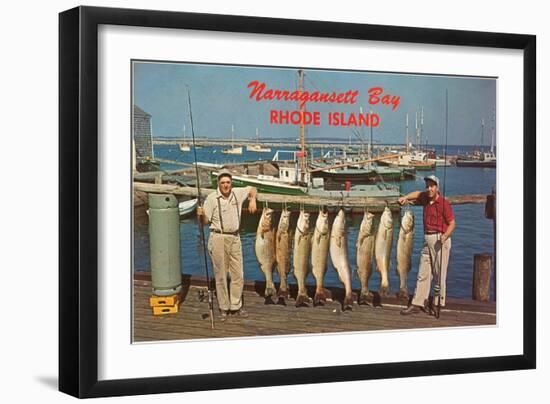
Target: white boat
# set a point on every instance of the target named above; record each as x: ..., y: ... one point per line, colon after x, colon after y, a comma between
x: 184, y: 146
x: 187, y: 207
x: 440, y: 162
x: 233, y: 149
x: 258, y: 147
x: 209, y: 165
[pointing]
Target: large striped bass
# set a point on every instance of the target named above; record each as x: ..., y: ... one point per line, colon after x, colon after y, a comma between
x: 365, y: 252
x: 382, y: 249
x: 265, y: 250
x: 319, y: 256
x: 283, y: 248
x: 404, y: 251
x: 301, y: 254
x: 339, y: 255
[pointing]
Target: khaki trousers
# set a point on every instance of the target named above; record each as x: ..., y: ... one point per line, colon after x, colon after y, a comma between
x: 227, y: 260
x: 431, y: 259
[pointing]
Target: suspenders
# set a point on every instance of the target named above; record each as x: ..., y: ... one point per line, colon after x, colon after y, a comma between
x: 236, y: 207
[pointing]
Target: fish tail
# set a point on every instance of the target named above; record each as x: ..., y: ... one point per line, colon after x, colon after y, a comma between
x: 364, y: 296
x: 320, y: 297
x: 348, y: 303
x: 302, y: 301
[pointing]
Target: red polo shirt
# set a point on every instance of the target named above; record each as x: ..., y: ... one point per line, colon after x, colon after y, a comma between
x: 437, y: 215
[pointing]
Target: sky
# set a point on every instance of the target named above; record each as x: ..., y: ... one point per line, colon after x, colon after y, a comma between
x: 220, y: 98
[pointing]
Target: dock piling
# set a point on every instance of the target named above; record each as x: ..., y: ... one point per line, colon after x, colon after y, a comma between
x: 481, y: 284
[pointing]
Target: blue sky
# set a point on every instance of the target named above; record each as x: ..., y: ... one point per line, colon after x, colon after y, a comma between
x: 220, y: 98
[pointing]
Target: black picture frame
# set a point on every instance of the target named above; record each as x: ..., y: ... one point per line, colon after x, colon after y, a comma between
x: 78, y: 200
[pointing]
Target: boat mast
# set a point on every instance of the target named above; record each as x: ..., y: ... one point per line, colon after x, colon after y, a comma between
x: 151, y: 133
x: 493, y: 134
x: 232, y: 136
x: 371, y: 149
x: 482, y: 130
x: 302, y: 127
x: 417, y: 132
x: 257, y: 137
x: 421, y: 126
x: 407, y: 134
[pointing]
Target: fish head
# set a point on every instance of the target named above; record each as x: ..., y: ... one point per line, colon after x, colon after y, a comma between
x: 267, y: 214
x: 386, y: 220
x: 303, y: 219
x: 322, y: 221
x: 284, y: 221
x: 367, y: 225
x: 407, y: 222
x: 339, y: 225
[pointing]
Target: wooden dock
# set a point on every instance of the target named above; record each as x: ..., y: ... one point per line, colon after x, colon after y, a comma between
x: 310, y: 202
x: 192, y: 320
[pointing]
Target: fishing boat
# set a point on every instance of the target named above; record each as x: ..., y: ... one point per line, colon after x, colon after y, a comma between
x: 412, y: 159
x: 485, y: 159
x: 184, y: 146
x: 416, y: 160
x: 373, y: 191
x: 480, y: 158
x: 316, y: 188
x: 439, y: 162
x: 361, y: 174
x: 233, y: 149
x: 258, y: 147
x: 285, y: 184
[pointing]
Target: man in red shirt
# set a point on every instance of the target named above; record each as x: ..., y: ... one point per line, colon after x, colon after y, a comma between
x: 439, y: 224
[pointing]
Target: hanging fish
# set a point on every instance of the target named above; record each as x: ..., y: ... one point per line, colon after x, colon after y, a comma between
x: 404, y: 251
x: 283, y: 248
x: 339, y: 255
x: 319, y: 255
x: 301, y: 254
x: 365, y: 253
x: 382, y: 249
x: 265, y: 250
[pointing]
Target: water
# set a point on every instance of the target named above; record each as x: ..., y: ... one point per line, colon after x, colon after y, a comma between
x: 474, y: 233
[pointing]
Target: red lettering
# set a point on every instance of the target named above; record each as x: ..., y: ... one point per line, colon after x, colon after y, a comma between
x: 258, y: 88
x: 273, y: 117
x: 374, y: 93
x: 374, y: 120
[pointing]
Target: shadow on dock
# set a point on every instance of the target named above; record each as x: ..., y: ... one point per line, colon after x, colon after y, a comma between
x: 193, y: 320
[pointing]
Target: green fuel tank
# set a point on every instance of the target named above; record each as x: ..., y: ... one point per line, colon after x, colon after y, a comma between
x: 164, y: 242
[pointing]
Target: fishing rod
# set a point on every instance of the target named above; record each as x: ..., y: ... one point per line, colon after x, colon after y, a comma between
x: 201, y: 225
x: 437, y: 291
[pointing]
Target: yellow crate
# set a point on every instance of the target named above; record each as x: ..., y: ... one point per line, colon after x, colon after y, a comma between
x: 163, y: 301
x: 162, y: 310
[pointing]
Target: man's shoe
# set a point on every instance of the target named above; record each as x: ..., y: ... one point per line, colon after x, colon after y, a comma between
x: 223, y: 316
x: 241, y: 313
x: 412, y: 309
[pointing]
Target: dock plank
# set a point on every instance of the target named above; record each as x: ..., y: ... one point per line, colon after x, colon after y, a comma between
x: 193, y: 322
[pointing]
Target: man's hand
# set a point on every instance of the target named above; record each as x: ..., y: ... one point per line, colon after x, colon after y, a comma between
x: 200, y: 212
x: 403, y: 200
x: 444, y: 238
x: 252, y: 205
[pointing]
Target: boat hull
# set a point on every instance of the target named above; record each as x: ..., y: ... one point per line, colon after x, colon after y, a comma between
x: 362, y: 176
x: 263, y: 186
x: 476, y: 163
